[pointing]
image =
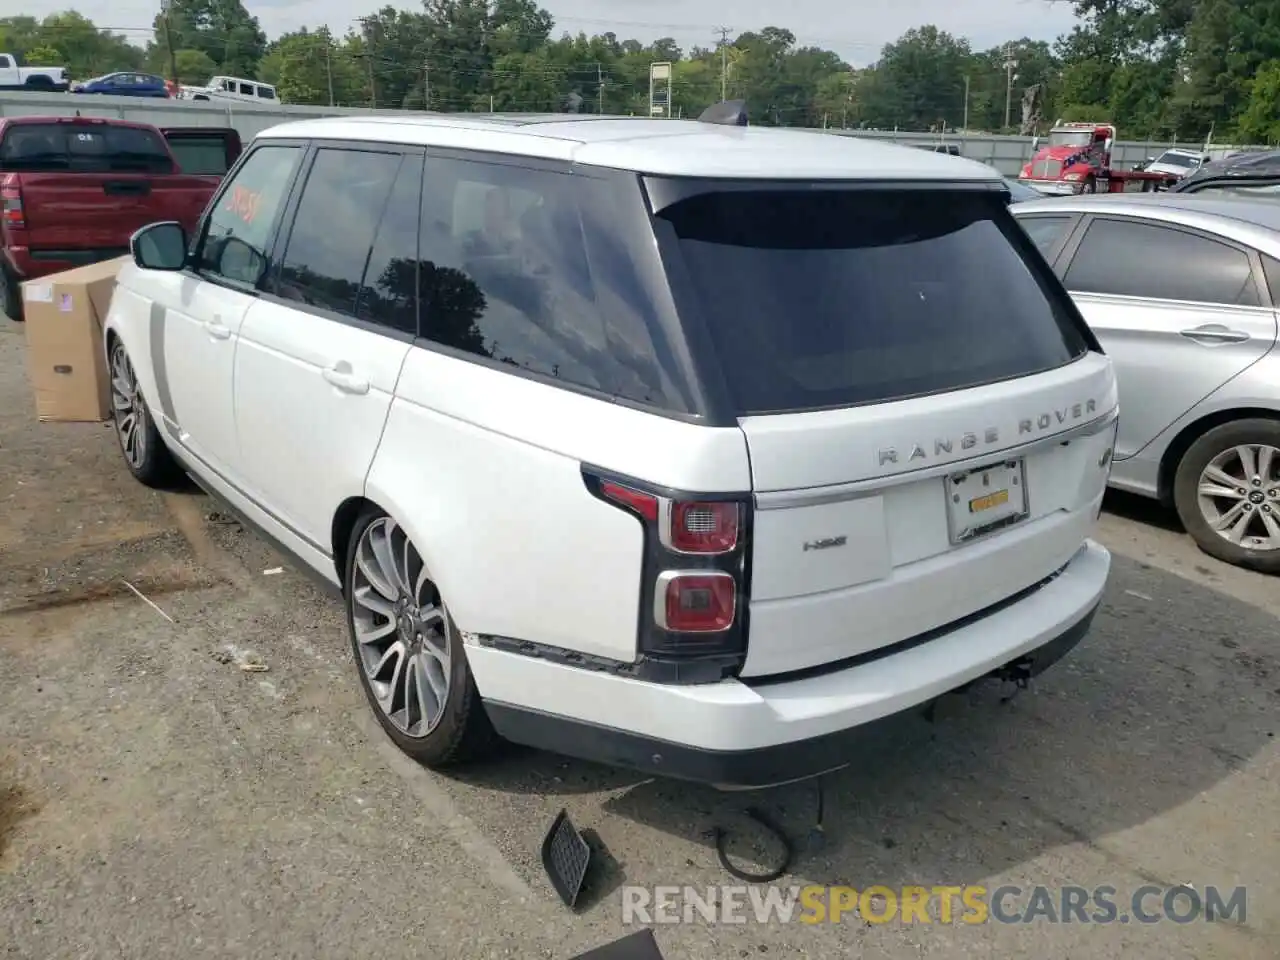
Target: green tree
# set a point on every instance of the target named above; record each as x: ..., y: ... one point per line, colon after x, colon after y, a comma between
x: 44, y: 55
x: 305, y: 65
x: 919, y: 81
x: 1260, y: 121
x: 222, y: 30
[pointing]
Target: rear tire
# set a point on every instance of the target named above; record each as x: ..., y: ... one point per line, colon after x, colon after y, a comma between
x: 10, y: 296
x: 1229, y: 480
x: 144, y: 450
x: 409, y: 656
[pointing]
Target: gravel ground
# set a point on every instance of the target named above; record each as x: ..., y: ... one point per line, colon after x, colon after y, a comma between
x: 156, y: 798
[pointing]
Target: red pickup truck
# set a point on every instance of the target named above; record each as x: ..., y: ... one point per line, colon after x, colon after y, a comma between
x: 74, y: 189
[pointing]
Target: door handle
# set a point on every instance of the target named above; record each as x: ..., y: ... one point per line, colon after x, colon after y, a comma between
x: 1215, y: 333
x: 216, y: 330
x: 344, y: 378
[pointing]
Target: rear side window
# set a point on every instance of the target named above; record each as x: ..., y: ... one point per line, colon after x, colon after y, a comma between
x: 528, y: 268
x: 827, y: 298
x: 82, y: 148
x: 266, y: 93
x: 1045, y: 232
x: 338, y: 215
x: 200, y: 155
x: 1271, y: 267
x: 1133, y: 259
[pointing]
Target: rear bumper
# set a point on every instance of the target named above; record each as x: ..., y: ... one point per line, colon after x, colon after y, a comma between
x: 733, y: 733
x: 28, y: 264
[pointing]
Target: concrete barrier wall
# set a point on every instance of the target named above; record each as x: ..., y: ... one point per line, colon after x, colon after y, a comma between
x: 1007, y: 154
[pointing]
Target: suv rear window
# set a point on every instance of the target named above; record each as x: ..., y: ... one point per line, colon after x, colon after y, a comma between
x: 200, y: 154
x: 826, y: 298
x: 82, y: 148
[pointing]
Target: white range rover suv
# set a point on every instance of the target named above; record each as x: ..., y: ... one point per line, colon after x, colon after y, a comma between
x: 670, y: 444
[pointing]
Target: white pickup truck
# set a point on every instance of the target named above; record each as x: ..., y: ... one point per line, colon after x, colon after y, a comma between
x: 36, y: 79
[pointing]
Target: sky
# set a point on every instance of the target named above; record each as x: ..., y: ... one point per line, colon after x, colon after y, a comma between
x: 855, y: 29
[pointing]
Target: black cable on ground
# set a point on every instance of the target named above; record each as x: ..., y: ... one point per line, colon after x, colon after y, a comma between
x: 816, y: 840
x: 743, y: 875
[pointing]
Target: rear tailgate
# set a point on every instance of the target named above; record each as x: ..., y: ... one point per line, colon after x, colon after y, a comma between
x: 88, y: 185
x: 928, y: 425
x: 204, y: 151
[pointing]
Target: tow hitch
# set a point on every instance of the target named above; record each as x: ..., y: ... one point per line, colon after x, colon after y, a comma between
x: 1018, y: 672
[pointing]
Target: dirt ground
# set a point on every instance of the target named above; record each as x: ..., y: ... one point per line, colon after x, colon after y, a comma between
x: 158, y: 799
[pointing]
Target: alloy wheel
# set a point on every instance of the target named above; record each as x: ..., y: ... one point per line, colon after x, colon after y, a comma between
x: 1239, y: 496
x: 127, y: 408
x: 402, y: 630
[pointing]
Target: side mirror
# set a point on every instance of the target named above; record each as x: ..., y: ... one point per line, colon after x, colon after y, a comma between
x: 160, y: 246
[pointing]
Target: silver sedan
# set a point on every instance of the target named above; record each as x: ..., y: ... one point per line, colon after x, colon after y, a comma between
x: 1182, y: 292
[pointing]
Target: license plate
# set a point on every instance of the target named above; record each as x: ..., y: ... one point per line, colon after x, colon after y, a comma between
x: 985, y: 500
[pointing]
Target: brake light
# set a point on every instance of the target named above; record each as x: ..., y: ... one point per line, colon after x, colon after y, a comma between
x: 695, y: 602
x: 694, y: 579
x: 11, y: 207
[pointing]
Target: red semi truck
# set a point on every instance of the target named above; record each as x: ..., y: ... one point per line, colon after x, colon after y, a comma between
x: 1077, y: 159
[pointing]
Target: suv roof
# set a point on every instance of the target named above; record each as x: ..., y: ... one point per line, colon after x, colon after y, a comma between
x: 663, y: 147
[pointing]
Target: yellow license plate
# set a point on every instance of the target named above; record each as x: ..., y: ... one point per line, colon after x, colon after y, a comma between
x: 978, y: 504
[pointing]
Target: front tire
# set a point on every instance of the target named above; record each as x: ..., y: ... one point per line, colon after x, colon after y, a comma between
x: 145, y: 453
x: 410, y: 659
x: 1090, y: 185
x: 1227, y: 493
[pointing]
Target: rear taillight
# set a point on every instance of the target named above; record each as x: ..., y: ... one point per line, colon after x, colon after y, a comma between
x: 700, y: 527
x: 694, y: 582
x: 11, y: 207
x: 693, y: 602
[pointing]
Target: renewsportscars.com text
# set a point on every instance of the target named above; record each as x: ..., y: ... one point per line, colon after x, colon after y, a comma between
x: 972, y: 905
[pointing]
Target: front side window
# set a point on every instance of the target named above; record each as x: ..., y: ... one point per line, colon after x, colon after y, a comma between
x: 1133, y: 259
x: 338, y: 214
x: 835, y: 297
x: 235, y: 241
x: 529, y: 268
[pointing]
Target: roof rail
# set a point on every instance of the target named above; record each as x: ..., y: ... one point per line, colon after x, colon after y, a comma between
x: 730, y: 113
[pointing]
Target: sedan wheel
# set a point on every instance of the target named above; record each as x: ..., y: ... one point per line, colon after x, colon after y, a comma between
x: 1227, y: 493
x: 1239, y: 496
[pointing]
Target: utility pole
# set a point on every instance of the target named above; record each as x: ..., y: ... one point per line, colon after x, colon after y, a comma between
x: 724, y: 61
x: 368, y: 24
x: 965, y: 127
x: 1010, y: 65
x: 168, y: 39
x: 328, y: 65
x: 426, y: 84
x: 600, y: 86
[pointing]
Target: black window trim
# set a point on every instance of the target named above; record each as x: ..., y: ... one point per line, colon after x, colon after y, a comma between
x: 669, y: 328
x: 283, y: 229
x: 1067, y: 256
x: 228, y: 181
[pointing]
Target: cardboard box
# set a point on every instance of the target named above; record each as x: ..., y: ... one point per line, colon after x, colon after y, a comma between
x: 65, y: 359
